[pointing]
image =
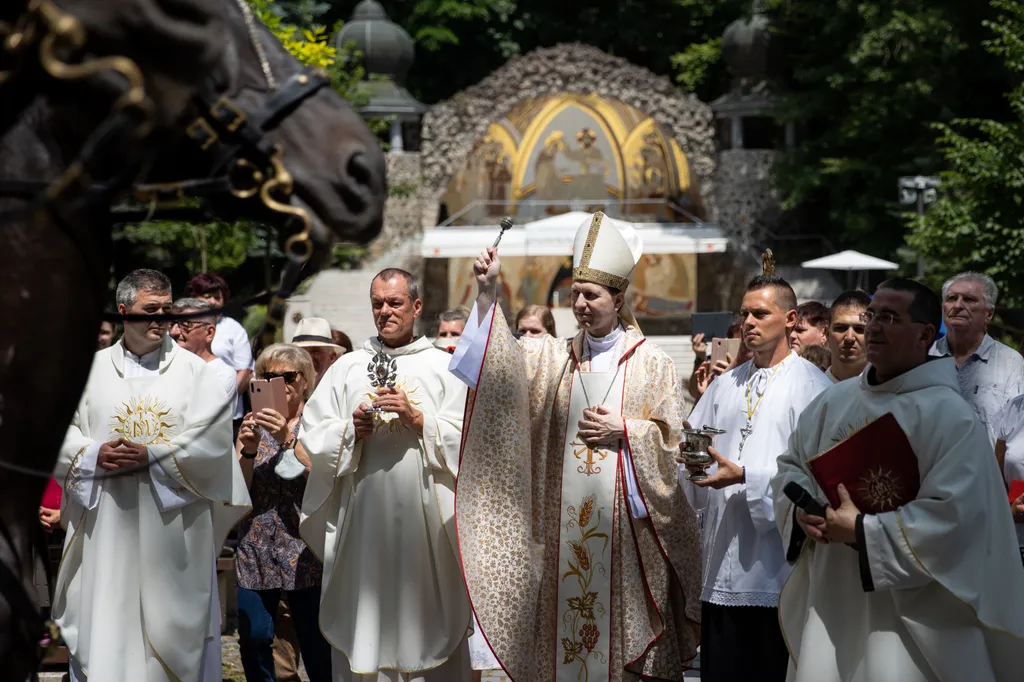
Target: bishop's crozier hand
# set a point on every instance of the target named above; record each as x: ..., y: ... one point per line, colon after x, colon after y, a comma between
x: 486, y: 269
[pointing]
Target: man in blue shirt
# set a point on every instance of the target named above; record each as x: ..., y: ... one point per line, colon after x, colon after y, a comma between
x: 990, y: 373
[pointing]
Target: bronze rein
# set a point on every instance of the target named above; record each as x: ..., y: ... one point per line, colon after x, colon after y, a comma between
x: 248, y: 167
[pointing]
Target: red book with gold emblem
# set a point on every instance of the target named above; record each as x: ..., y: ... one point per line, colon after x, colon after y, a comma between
x: 876, y: 464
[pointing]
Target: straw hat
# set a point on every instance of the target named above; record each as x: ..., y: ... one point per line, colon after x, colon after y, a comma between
x: 315, y: 332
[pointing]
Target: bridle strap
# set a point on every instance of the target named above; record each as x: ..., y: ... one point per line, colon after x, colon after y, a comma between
x: 241, y: 141
x: 237, y: 141
x: 288, y: 97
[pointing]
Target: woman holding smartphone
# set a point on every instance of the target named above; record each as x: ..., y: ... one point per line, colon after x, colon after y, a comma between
x: 271, y: 560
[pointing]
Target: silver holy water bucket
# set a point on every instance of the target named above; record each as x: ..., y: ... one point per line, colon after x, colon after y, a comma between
x: 694, y: 451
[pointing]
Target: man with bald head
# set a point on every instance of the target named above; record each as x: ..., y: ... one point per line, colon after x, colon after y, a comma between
x: 382, y: 450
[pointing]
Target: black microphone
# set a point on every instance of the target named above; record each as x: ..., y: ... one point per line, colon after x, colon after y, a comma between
x: 799, y: 496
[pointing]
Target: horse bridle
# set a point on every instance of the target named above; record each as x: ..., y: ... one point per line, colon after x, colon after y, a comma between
x: 246, y: 165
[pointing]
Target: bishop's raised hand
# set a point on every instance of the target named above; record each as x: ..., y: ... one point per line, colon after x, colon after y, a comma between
x: 486, y: 269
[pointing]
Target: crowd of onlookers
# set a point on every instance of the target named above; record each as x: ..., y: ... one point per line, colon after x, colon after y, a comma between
x: 278, y: 576
x: 990, y: 373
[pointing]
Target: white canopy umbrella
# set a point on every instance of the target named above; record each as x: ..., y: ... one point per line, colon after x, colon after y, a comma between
x: 553, y: 236
x: 850, y: 261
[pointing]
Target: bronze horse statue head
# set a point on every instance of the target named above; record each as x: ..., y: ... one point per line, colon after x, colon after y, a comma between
x: 54, y: 264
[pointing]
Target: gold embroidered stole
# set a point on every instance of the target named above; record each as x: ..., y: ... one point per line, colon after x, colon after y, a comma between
x: 585, y: 538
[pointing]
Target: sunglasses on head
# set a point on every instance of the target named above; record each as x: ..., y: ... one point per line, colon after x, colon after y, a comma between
x: 289, y: 377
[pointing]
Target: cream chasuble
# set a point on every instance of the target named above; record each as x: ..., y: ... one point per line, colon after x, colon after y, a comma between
x: 573, y: 575
x: 380, y: 512
x: 135, y: 594
x: 936, y: 592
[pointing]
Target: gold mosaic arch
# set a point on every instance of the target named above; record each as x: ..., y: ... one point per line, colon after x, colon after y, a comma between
x: 570, y: 147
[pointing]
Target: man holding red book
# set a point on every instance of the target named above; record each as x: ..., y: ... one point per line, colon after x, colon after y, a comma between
x: 912, y: 574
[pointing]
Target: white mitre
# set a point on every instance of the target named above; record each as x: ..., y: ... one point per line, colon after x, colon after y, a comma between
x: 605, y: 252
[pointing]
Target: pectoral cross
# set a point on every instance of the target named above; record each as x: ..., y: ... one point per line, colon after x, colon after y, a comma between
x: 745, y: 433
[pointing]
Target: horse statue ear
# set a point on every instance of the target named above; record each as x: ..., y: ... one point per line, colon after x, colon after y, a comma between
x: 768, y: 262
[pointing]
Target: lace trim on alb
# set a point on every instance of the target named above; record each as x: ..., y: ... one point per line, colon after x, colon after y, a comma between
x: 766, y: 599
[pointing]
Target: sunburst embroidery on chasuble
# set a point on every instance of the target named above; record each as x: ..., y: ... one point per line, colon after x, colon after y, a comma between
x: 579, y: 619
x: 389, y: 420
x: 846, y: 432
x: 144, y: 420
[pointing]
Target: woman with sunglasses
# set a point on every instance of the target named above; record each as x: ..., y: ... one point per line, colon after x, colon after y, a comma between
x: 271, y: 559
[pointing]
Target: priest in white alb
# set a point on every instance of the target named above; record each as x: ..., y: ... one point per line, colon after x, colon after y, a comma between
x: 380, y: 436
x: 579, y: 550
x: 757, y: 405
x: 931, y: 590
x: 152, y: 488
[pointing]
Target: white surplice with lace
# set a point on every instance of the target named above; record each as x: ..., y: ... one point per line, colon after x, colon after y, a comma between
x: 744, y: 562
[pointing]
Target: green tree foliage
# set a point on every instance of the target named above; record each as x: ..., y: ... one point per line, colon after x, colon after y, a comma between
x: 865, y: 81
x: 695, y: 64
x: 459, y: 42
x: 698, y: 65
x: 978, y: 221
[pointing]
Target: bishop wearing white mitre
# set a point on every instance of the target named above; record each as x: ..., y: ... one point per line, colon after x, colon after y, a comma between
x: 380, y: 436
x: 932, y: 590
x: 136, y: 594
x: 579, y: 549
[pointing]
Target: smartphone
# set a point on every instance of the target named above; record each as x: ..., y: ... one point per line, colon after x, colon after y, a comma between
x: 719, y: 348
x: 270, y: 393
x: 711, y: 325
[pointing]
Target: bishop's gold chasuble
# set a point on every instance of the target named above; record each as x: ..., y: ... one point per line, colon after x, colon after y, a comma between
x: 566, y: 584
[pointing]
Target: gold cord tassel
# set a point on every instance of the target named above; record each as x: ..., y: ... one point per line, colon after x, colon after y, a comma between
x: 768, y: 262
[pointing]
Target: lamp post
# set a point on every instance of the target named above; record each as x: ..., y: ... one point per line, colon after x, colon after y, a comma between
x: 921, y: 190
x: 387, y: 54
